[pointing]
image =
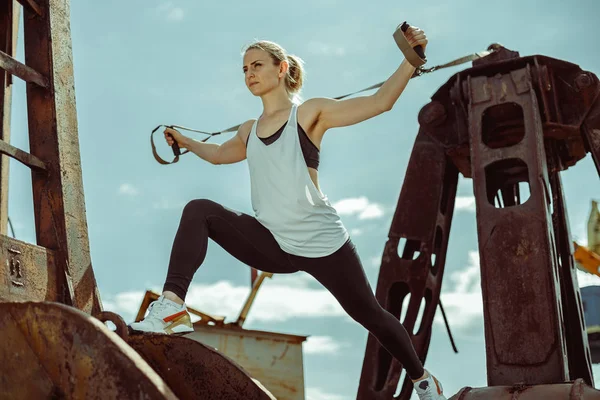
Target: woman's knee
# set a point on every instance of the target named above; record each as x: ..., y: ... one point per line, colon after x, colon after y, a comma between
x: 198, y: 207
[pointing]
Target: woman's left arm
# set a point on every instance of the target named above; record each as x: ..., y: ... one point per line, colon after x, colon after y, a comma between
x: 337, y: 113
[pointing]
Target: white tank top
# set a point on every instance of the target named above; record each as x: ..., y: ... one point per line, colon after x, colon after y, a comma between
x: 285, y: 199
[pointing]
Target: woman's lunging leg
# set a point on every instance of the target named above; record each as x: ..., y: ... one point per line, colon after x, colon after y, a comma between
x: 239, y: 234
x: 343, y: 275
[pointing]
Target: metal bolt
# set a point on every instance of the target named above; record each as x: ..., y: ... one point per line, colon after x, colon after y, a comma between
x: 583, y: 81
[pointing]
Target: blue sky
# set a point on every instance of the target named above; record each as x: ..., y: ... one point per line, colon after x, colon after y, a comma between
x: 143, y: 63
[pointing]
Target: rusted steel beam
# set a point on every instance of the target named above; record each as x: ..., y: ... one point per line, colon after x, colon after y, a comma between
x: 21, y: 70
x: 195, y: 371
x: 30, y: 160
x: 58, y: 196
x: 32, y: 6
x: 580, y: 358
x: 251, y: 297
x: 9, y: 27
x: 53, y: 351
x: 412, y: 263
x: 29, y: 272
x: 576, y: 390
x: 591, y: 125
x: 522, y: 309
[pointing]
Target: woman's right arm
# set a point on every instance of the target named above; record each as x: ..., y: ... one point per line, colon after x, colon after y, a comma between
x: 231, y: 151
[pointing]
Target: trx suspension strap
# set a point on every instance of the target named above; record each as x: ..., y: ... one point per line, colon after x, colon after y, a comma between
x: 415, y: 56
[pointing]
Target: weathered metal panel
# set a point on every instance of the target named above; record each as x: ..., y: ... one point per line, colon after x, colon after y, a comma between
x: 522, y: 308
x: 196, y: 371
x: 275, y: 360
x: 58, y: 195
x: 578, y: 349
x: 28, y: 272
x: 51, y: 351
x: 422, y: 221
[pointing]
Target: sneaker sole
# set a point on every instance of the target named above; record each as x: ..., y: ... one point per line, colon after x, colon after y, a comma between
x: 168, y: 330
x: 179, y: 329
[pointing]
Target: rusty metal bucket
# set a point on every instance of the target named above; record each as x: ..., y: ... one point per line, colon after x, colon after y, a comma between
x: 55, y: 351
x: 50, y: 350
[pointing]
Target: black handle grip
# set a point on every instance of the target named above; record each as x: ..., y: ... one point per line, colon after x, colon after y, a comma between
x: 175, y: 146
x: 418, y: 48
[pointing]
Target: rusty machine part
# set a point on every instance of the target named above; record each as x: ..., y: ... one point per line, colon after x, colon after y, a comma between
x: 512, y: 124
x: 196, y: 371
x: 54, y: 351
x: 54, y: 341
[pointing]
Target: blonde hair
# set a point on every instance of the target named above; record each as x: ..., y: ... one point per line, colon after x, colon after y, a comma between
x: 295, y: 74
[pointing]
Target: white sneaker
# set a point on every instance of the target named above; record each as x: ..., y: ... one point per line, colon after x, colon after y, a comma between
x: 165, y: 316
x: 429, y: 388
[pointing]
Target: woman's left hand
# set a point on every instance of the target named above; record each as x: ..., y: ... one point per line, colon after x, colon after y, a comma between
x: 415, y: 36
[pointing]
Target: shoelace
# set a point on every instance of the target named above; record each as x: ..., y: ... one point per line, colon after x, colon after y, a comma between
x: 155, y: 305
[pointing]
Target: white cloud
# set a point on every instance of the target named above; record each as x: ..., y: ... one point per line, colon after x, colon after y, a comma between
x: 170, y: 11
x: 128, y: 190
x: 276, y: 301
x: 372, y: 211
x: 356, y: 232
x: 463, y: 303
x: 466, y: 203
x: 322, y: 345
x: 126, y: 304
x: 164, y: 204
x: 360, y: 206
x: 319, y: 394
x: 316, y: 47
x: 175, y: 14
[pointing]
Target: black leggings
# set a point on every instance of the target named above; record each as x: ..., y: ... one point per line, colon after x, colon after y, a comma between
x: 250, y: 242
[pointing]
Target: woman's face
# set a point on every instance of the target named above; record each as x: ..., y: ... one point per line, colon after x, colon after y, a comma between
x: 261, y: 73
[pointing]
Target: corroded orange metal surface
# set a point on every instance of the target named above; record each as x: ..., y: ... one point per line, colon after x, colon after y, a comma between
x: 196, y: 371
x: 50, y: 350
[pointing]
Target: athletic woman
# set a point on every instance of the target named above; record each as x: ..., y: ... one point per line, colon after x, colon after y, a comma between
x: 294, y: 227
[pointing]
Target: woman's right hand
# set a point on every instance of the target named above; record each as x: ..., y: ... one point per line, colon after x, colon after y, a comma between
x: 173, y: 135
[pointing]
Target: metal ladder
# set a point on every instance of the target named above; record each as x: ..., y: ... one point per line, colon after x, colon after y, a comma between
x: 58, y: 266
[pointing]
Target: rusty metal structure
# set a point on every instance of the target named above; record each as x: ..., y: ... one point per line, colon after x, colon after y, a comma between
x: 511, y: 124
x: 54, y: 342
